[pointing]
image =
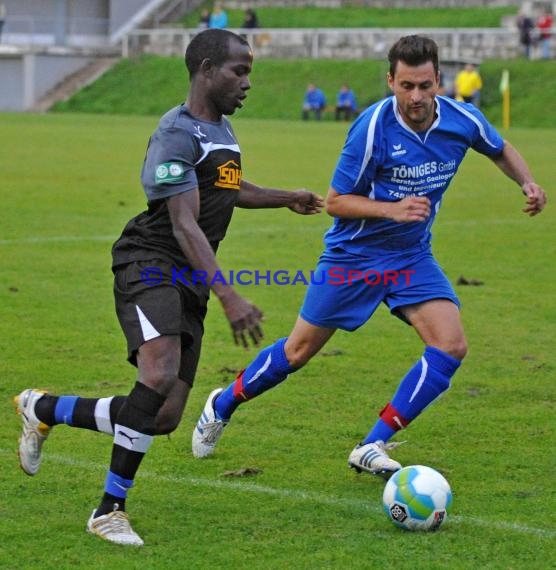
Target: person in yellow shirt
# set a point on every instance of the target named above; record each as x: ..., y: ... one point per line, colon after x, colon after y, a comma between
x: 468, y: 84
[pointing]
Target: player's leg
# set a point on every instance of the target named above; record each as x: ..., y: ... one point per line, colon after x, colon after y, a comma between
x: 329, y: 304
x: 158, y: 364
x: 439, y: 325
x: 422, y: 296
x: 163, y: 304
x: 164, y: 329
x: 170, y: 414
x: 96, y: 414
x: 40, y: 411
x: 167, y: 367
x: 271, y: 366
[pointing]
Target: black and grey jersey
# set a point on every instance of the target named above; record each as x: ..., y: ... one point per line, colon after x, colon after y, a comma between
x: 183, y: 153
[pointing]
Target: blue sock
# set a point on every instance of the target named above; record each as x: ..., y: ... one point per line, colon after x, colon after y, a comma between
x: 423, y: 384
x: 269, y: 368
x: 117, y: 486
x: 63, y: 412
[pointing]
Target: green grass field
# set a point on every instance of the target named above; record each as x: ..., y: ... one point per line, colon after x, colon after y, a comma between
x: 70, y: 183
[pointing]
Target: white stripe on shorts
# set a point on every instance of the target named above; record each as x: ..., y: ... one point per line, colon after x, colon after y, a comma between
x: 149, y: 332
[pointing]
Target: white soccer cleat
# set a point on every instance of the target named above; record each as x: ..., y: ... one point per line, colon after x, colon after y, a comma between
x: 114, y: 527
x: 208, y: 430
x: 373, y: 458
x: 34, y: 432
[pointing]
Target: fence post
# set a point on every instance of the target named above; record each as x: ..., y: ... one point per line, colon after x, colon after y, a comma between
x: 186, y: 40
x: 125, y: 46
x: 455, y: 45
x: 315, y: 45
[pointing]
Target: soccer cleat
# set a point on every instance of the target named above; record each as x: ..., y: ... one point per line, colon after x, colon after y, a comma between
x: 372, y: 457
x: 34, y: 432
x: 114, y: 527
x: 208, y: 430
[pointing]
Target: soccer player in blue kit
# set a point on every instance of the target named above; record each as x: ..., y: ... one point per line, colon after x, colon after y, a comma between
x: 192, y: 178
x: 398, y: 160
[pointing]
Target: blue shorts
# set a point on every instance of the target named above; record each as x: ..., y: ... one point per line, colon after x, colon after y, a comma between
x: 347, y: 289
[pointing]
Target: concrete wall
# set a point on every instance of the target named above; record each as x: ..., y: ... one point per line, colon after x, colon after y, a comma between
x: 357, y: 43
x: 44, y: 41
x: 123, y: 11
x: 126, y: 15
x: 13, y: 88
x: 71, y: 22
x: 27, y: 76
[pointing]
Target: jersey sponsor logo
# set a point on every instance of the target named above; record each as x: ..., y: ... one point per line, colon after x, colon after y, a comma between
x: 169, y: 172
x: 229, y: 175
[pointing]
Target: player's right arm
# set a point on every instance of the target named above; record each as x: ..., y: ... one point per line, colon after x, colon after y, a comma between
x: 354, y: 206
x: 357, y: 171
x: 244, y: 317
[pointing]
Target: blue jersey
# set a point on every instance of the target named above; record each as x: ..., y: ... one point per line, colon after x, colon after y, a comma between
x: 346, y: 99
x: 385, y: 160
x: 315, y: 99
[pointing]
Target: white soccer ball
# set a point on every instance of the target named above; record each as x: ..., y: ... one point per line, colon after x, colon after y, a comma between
x: 417, y: 498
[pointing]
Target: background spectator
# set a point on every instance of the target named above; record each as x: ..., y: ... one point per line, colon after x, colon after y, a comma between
x: 544, y: 25
x: 218, y: 18
x: 346, y: 104
x: 204, y: 19
x: 2, y: 19
x: 468, y: 85
x: 525, y: 25
x: 250, y: 21
x: 314, y: 102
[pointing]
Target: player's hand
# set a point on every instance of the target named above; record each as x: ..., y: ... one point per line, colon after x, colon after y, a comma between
x: 411, y: 209
x: 244, y: 318
x: 305, y: 202
x: 536, y: 198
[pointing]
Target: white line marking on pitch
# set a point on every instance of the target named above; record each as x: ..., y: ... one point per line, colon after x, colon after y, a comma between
x: 292, y: 494
x: 53, y: 239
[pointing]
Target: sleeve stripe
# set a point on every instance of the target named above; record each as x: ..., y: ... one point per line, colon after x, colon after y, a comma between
x: 370, y: 140
x: 471, y: 118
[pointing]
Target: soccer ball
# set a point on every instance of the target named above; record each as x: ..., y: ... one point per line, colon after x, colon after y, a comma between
x: 417, y: 498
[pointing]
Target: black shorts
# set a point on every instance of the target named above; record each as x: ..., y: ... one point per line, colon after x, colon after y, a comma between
x: 150, y: 307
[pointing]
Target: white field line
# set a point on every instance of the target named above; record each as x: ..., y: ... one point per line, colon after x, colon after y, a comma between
x: 54, y: 239
x: 248, y: 231
x: 295, y: 495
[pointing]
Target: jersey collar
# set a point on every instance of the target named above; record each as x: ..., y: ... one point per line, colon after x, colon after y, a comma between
x: 403, y: 124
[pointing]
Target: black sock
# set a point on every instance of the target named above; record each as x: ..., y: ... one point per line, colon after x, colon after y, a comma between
x: 108, y: 504
x: 45, y: 408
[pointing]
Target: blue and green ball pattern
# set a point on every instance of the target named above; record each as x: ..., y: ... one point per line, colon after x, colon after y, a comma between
x: 417, y: 497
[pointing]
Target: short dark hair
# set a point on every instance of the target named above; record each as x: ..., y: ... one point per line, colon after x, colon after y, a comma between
x: 213, y: 44
x: 413, y: 50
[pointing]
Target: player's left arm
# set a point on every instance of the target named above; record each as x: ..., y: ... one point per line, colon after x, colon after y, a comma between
x: 299, y: 201
x: 513, y: 165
